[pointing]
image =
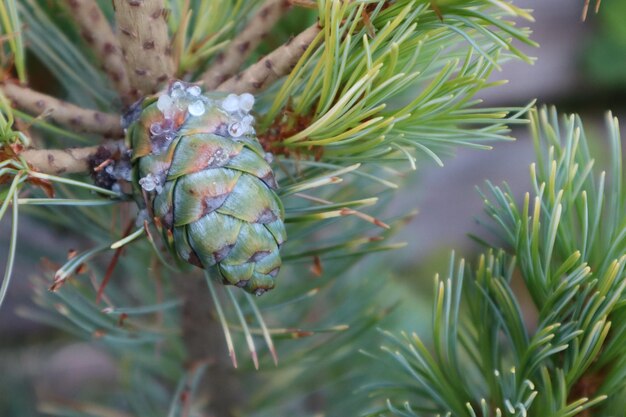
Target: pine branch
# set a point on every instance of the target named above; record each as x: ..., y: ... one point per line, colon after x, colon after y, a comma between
x: 240, y: 47
x: 280, y: 62
x: 99, y: 35
x: 343, y: 89
x: 145, y: 43
x: 65, y: 161
x: 63, y: 113
x: 569, y: 250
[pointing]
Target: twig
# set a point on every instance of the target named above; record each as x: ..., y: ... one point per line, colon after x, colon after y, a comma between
x: 98, y: 33
x: 306, y: 4
x: 145, y: 43
x: 271, y: 67
x: 65, y: 161
x: 228, y: 62
x: 114, y: 260
x: 63, y: 113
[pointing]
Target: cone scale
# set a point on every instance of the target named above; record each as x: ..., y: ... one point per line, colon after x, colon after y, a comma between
x: 202, y: 176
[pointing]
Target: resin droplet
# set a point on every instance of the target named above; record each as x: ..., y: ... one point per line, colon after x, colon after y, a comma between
x: 236, y: 129
x: 194, y: 90
x: 231, y: 103
x: 150, y: 183
x: 196, y: 108
x: 219, y: 158
x: 246, y: 101
x: 165, y: 104
x: 246, y: 124
x: 156, y: 129
x: 123, y: 171
x: 178, y: 90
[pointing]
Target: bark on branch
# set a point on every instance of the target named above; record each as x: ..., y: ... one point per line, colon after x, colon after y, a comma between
x: 98, y: 33
x: 66, y: 161
x: 273, y: 66
x: 145, y: 43
x: 63, y: 113
x: 229, y: 61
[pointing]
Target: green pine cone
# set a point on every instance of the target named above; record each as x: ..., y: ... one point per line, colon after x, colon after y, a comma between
x: 201, y: 174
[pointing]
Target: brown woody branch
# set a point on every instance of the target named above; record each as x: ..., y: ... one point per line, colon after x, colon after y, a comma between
x: 142, y: 31
x: 66, y: 161
x: 60, y: 112
x: 98, y: 33
x: 229, y: 61
x: 273, y: 66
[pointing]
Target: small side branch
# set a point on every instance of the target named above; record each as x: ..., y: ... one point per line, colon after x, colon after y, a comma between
x: 66, y: 161
x: 271, y: 67
x: 145, y: 43
x: 63, y: 113
x: 98, y: 33
x: 228, y: 62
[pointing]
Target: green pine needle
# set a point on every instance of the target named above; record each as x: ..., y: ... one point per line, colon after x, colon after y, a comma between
x: 569, y: 251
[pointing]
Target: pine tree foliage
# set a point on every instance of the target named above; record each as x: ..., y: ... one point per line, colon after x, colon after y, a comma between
x: 324, y: 90
x: 566, y: 242
x: 380, y: 86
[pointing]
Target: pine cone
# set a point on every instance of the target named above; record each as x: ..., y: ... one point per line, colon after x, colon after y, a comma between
x: 202, y: 175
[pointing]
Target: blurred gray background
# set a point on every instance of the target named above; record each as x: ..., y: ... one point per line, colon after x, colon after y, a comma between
x: 562, y: 75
